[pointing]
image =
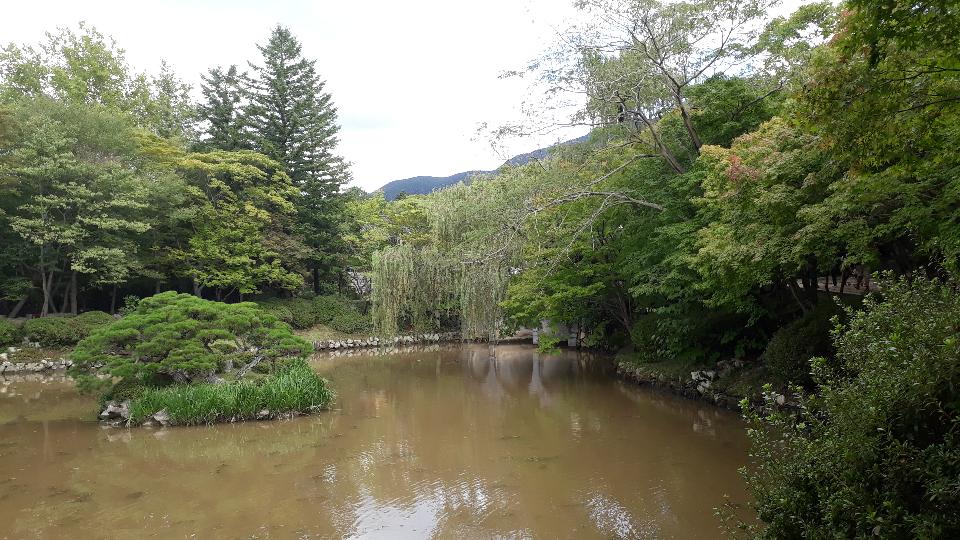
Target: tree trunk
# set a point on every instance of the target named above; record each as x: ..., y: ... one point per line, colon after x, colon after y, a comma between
x: 16, y: 309
x: 792, y: 285
x: 667, y: 154
x: 66, y: 298
x: 243, y: 371
x: 46, y: 282
x: 687, y: 122
x: 73, y: 292
x: 113, y: 299
x: 316, y: 280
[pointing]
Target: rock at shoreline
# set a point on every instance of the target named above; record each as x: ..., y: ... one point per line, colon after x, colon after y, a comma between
x: 7, y: 366
x: 162, y: 417
x: 116, y: 411
x: 374, y: 341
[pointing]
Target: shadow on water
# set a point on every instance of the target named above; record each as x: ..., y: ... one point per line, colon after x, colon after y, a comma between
x: 445, y: 441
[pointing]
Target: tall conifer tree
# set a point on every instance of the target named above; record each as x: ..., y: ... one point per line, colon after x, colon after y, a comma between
x: 222, y: 109
x: 290, y: 118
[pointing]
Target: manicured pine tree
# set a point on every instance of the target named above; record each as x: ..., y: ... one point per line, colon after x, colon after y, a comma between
x: 290, y: 118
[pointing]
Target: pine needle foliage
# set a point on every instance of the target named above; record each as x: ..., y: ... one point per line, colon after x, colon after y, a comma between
x: 182, y: 338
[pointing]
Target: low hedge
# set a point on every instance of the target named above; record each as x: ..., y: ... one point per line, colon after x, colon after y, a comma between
x: 10, y: 333
x: 65, y: 331
x: 788, y: 353
x: 334, y: 311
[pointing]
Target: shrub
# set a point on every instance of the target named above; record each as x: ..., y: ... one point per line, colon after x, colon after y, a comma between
x: 278, y: 309
x: 89, y: 321
x: 340, y: 314
x: 789, y: 352
x: 306, y: 312
x: 548, y: 343
x: 130, y: 302
x: 293, y: 388
x: 183, y: 338
x: 877, y: 453
x: 10, y: 333
x: 52, y: 331
x: 65, y: 331
x: 645, y: 337
x: 302, y: 313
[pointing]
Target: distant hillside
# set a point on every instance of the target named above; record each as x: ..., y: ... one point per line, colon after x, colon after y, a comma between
x: 421, y: 185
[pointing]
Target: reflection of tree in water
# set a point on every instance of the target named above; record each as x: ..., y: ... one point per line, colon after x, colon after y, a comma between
x: 449, y: 442
x: 518, y: 370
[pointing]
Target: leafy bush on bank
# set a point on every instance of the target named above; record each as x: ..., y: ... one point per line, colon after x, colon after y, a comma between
x: 293, y: 388
x: 10, y: 333
x: 877, y: 451
x: 200, y: 361
x: 334, y: 311
x: 790, y: 349
x: 65, y: 331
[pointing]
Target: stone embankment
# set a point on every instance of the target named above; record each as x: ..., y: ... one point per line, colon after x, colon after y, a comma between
x: 700, y: 384
x: 8, y: 363
x: 374, y: 341
x: 707, y: 385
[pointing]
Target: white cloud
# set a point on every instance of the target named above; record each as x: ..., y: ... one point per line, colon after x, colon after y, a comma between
x: 412, y: 80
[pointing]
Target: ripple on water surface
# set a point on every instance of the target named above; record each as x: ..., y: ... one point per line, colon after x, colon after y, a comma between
x: 443, y: 441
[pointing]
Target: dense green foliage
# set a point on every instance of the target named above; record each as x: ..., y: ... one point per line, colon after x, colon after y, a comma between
x: 789, y: 351
x: 10, y: 333
x: 114, y: 182
x: 877, y: 452
x: 336, y: 312
x: 743, y: 176
x: 182, y: 338
x: 65, y: 331
x: 290, y: 389
x: 708, y: 211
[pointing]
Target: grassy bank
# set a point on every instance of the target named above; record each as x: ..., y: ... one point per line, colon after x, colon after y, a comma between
x: 322, y: 332
x: 293, y: 390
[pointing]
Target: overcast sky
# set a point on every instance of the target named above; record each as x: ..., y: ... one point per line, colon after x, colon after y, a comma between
x: 412, y: 79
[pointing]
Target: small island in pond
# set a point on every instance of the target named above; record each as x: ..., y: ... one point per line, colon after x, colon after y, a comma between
x: 179, y: 359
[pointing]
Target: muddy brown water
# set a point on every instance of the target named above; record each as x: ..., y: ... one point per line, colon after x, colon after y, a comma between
x: 440, y: 442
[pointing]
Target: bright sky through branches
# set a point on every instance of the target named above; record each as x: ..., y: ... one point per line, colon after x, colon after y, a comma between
x: 412, y: 80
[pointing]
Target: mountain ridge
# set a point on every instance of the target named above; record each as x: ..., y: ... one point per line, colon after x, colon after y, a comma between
x: 422, y: 185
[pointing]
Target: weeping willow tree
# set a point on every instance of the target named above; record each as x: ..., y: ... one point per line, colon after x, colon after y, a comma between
x: 412, y: 287
x: 484, y: 234
x: 424, y: 289
x: 463, y: 272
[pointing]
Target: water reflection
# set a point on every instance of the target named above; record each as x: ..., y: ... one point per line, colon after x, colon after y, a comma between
x: 441, y: 441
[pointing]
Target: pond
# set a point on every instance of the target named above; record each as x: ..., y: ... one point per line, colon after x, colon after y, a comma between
x: 446, y: 441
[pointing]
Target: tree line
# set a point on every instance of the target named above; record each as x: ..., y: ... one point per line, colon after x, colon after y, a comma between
x: 744, y: 174
x: 739, y: 165
x: 114, y: 182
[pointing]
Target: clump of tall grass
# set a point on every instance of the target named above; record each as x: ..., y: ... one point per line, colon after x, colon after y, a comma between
x: 291, y: 390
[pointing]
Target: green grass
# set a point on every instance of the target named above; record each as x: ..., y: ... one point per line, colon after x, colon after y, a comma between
x: 322, y: 332
x: 295, y: 389
x: 670, y: 369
